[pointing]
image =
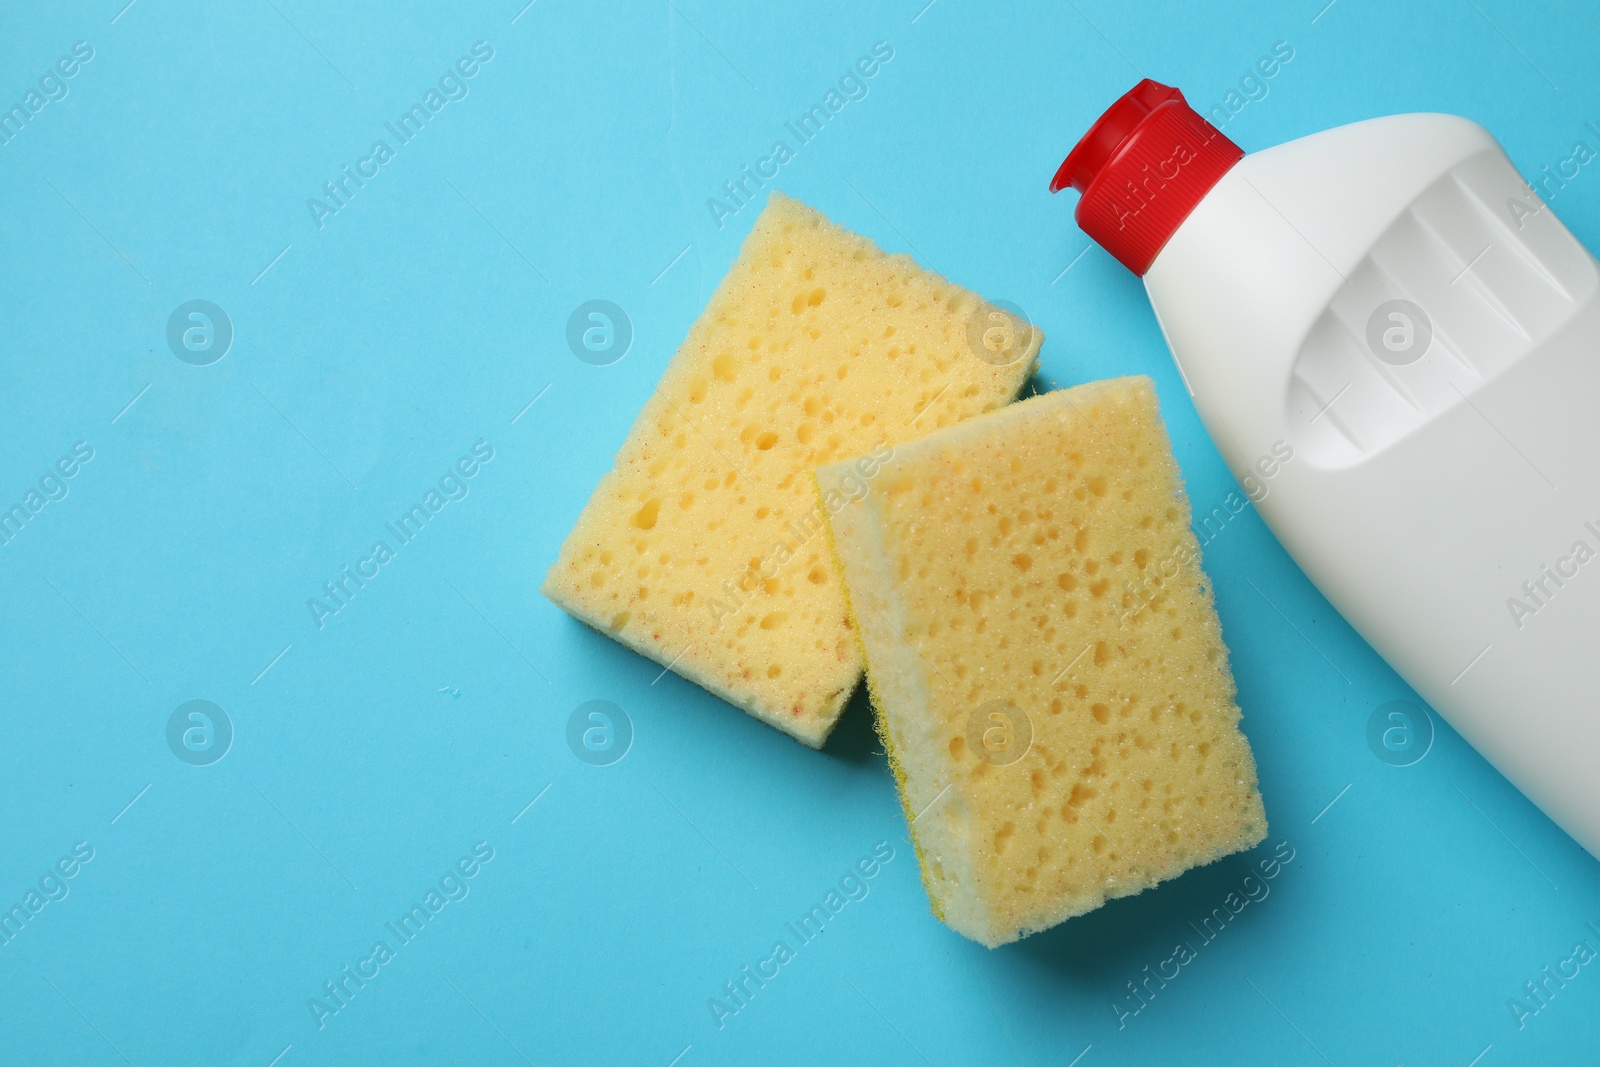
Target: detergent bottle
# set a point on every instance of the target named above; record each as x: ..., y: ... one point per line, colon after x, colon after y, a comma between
x: 1392, y: 337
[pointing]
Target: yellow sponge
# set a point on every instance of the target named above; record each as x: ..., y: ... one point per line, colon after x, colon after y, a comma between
x: 1046, y: 662
x: 703, y: 548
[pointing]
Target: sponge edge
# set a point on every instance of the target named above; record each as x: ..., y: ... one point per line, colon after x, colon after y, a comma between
x: 1045, y: 659
x: 703, y: 547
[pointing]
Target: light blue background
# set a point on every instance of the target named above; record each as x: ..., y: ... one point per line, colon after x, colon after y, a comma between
x: 371, y: 754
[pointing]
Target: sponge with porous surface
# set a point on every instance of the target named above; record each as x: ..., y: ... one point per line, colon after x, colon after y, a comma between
x: 703, y: 547
x: 1045, y: 659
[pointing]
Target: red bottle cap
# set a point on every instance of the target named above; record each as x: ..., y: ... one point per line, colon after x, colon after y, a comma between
x: 1142, y: 168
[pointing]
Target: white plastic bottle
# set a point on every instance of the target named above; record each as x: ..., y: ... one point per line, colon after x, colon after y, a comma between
x: 1392, y: 305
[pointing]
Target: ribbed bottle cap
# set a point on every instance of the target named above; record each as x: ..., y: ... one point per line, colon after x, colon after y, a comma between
x: 1142, y: 168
